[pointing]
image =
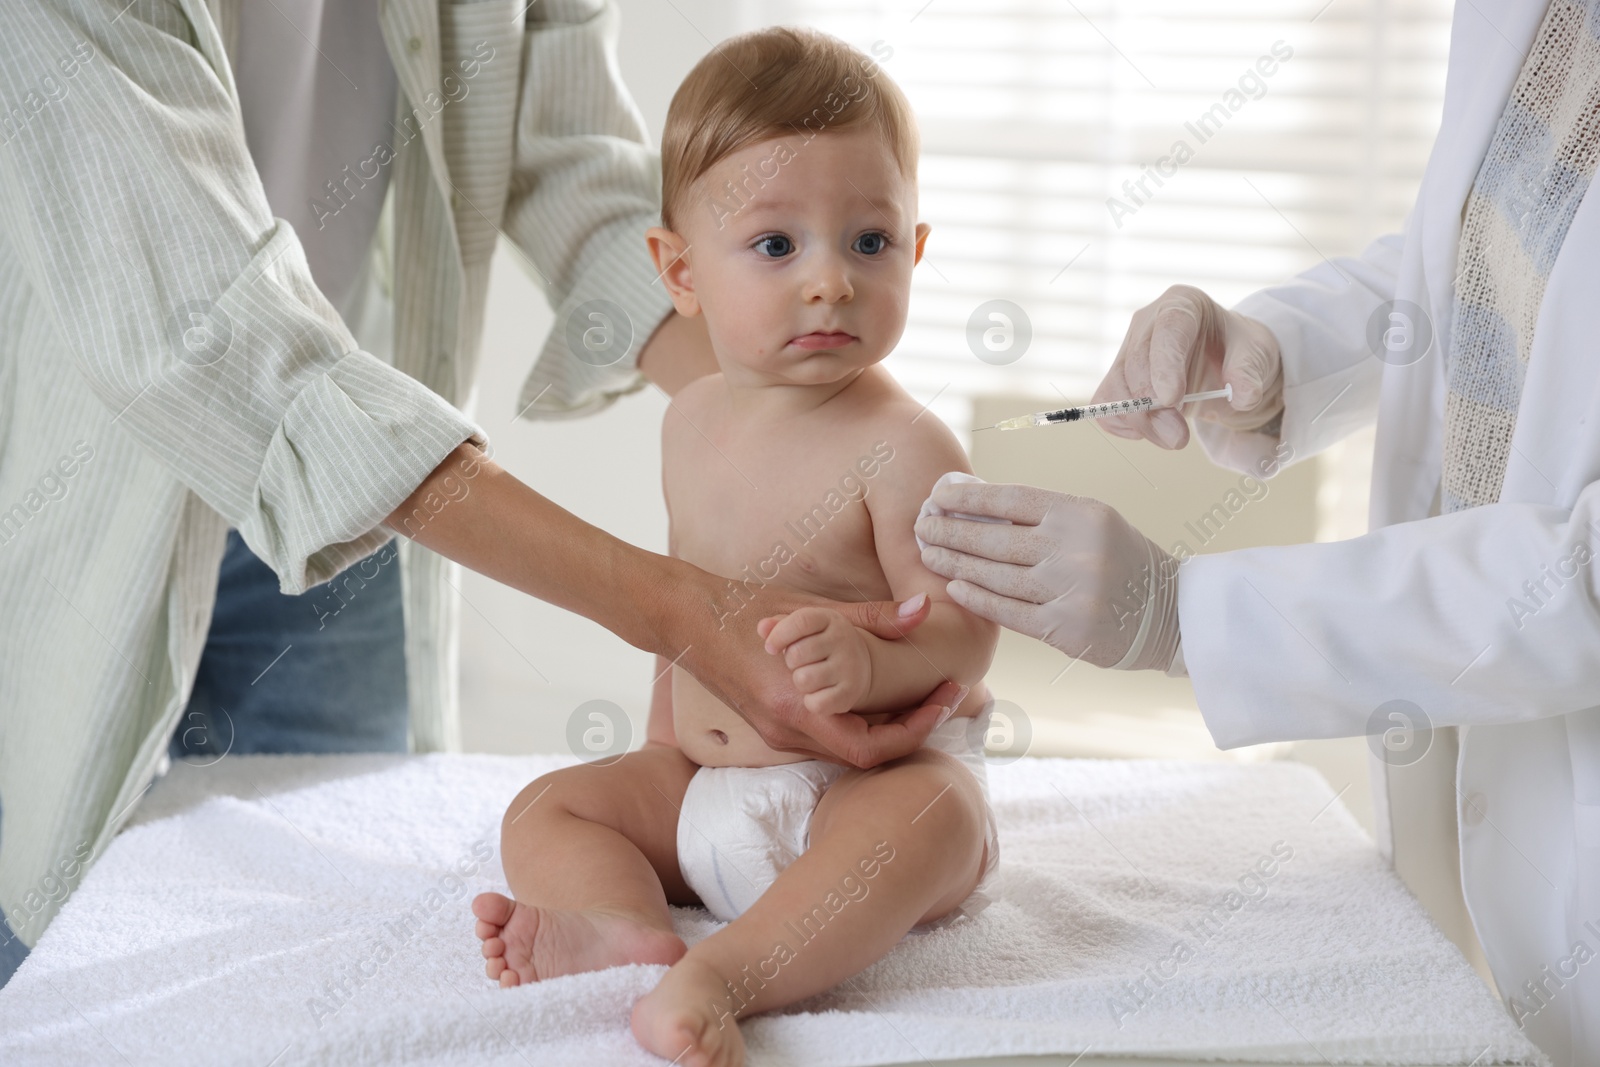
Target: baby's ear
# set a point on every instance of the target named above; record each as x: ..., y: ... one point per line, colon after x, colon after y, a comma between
x: 670, y: 252
x: 923, y: 229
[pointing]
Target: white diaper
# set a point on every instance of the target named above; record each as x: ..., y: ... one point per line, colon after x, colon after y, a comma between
x: 739, y: 827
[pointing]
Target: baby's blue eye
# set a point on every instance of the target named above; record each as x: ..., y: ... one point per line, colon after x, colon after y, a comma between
x: 870, y: 244
x: 775, y: 246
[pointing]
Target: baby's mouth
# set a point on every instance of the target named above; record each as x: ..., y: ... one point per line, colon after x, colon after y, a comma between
x: 818, y: 341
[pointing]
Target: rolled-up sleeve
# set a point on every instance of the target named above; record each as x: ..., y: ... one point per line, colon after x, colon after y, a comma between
x: 585, y: 187
x: 131, y: 198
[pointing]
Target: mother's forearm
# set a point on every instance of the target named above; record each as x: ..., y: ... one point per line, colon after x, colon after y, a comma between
x: 471, y: 510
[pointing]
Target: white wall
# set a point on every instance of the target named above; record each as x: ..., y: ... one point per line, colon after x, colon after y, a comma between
x: 525, y: 665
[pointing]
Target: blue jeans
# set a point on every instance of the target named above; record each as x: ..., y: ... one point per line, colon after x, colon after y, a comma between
x: 324, y: 671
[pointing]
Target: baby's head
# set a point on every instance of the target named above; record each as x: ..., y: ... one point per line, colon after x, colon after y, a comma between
x: 789, y: 206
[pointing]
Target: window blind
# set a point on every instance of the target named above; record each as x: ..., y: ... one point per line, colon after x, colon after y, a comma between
x: 1079, y: 156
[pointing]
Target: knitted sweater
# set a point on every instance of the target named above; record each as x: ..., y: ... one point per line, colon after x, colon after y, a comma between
x: 1535, y: 174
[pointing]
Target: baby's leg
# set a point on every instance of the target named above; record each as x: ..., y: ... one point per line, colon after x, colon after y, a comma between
x: 591, y: 854
x: 890, y: 847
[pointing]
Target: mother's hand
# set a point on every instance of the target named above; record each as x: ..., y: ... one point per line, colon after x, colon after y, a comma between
x: 727, y: 655
x: 1068, y: 570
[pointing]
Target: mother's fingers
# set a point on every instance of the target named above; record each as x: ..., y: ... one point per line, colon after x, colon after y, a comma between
x: 850, y: 740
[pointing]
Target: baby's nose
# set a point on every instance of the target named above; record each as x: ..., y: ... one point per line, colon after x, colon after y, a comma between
x: 830, y: 283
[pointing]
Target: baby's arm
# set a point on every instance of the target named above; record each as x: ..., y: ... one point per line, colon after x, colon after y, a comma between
x: 953, y: 644
x: 841, y: 668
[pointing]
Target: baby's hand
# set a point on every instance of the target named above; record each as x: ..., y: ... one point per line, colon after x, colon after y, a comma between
x: 829, y: 657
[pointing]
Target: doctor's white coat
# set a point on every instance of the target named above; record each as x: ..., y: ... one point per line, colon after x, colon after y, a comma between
x: 1307, y: 641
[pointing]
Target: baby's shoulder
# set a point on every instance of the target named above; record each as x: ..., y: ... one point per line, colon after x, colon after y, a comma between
x: 911, y: 442
x: 909, y: 427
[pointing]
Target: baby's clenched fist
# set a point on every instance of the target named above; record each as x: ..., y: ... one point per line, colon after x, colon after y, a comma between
x: 829, y: 657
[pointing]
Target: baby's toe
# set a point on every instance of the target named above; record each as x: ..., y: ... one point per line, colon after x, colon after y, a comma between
x: 495, y: 968
x: 487, y: 930
x: 493, y: 947
x: 509, y: 977
x: 494, y: 908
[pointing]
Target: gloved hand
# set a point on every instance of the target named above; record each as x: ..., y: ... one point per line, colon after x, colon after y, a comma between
x: 1185, y: 342
x: 1068, y: 570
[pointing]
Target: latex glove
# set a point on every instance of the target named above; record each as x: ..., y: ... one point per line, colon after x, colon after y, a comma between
x: 1067, y: 570
x: 1185, y: 342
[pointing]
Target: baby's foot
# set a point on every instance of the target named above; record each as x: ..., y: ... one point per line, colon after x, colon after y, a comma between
x: 689, y: 1020
x: 526, y: 944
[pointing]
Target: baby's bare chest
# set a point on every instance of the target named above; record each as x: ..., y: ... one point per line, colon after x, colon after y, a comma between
x: 787, y: 510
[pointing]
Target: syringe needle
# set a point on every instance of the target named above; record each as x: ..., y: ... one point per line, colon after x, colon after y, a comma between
x: 1101, y: 410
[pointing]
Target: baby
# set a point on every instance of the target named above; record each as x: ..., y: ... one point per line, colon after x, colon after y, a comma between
x: 789, y: 206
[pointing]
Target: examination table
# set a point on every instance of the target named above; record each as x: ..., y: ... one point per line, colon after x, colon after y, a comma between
x: 280, y: 910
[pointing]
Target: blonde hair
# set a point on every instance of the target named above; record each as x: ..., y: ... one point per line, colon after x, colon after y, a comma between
x: 768, y: 83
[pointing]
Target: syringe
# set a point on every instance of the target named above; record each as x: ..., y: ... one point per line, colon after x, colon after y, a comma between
x: 1100, y: 411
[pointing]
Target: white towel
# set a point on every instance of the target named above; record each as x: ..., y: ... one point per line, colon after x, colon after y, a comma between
x: 221, y: 925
